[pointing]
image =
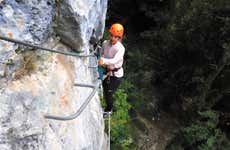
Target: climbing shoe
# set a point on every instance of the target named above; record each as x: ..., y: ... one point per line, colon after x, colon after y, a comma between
x: 107, y: 114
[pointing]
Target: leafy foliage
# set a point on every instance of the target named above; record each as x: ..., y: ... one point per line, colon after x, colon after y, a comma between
x: 203, y: 134
x: 191, y: 45
x: 181, y: 61
x: 120, y: 133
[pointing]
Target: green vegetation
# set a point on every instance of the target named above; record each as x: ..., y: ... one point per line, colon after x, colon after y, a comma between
x: 178, y: 59
x: 203, y: 134
x: 120, y: 133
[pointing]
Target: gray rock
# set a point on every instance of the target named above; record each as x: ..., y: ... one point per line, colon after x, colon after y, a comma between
x: 28, y: 20
x: 77, y: 21
x: 21, y: 128
x: 49, y: 88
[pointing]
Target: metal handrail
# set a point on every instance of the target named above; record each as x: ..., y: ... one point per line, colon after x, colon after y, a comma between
x: 80, y: 110
x: 86, y: 102
x: 43, y: 48
x: 84, y: 85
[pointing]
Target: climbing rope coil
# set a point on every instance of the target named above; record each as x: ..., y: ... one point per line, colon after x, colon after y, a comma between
x: 94, y: 87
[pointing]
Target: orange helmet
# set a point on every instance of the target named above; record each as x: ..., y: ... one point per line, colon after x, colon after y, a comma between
x: 117, y: 30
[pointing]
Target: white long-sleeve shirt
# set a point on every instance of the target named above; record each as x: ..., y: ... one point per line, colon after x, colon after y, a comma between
x: 112, y: 56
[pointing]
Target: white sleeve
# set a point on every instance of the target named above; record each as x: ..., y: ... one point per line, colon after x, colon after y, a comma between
x: 118, y: 56
x: 102, y: 48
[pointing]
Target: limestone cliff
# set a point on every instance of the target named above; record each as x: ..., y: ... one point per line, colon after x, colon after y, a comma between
x: 34, y: 82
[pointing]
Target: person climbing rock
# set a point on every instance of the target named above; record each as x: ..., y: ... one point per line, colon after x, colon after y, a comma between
x: 112, y: 53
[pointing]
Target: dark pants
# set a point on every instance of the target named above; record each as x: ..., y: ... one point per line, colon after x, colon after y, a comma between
x: 110, y: 85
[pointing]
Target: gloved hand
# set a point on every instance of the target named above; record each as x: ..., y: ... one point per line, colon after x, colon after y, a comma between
x: 100, y: 62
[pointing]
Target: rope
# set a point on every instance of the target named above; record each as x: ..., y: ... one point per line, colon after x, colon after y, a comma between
x: 43, y: 48
x: 109, y: 131
x: 80, y: 110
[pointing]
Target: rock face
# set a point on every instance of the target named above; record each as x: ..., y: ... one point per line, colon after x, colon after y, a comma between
x: 28, y: 20
x: 77, y: 21
x: 35, y: 83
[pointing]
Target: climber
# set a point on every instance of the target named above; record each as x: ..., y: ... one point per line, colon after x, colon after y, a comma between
x: 112, y: 53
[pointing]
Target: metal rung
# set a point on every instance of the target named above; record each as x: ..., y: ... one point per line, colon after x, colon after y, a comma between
x: 84, y: 85
x: 80, y: 110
